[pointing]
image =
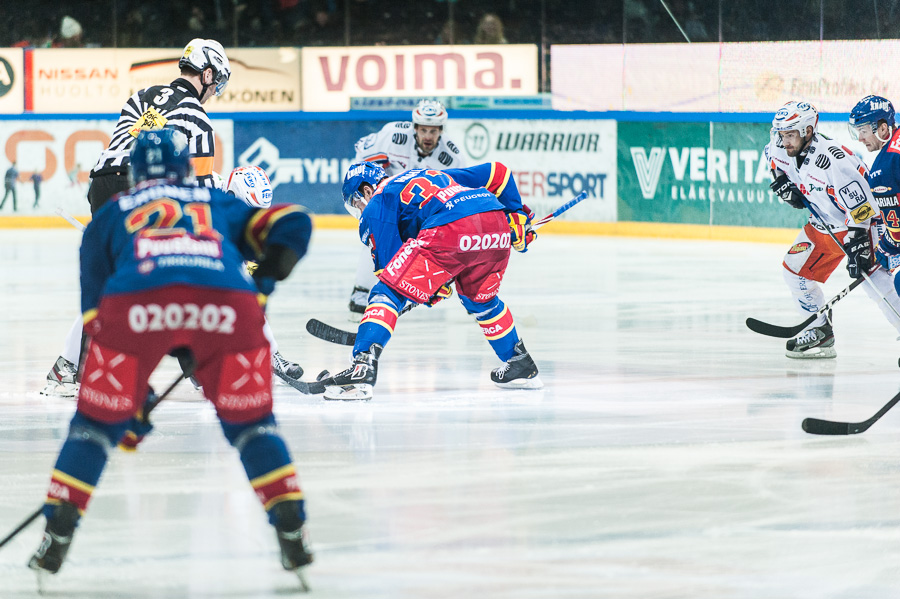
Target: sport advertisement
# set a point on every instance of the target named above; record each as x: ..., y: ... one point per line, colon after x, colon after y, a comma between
x: 552, y: 161
x: 697, y: 173
x: 62, y: 154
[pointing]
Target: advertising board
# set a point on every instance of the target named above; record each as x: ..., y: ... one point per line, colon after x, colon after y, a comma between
x: 332, y: 76
x: 99, y: 80
x: 63, y: 153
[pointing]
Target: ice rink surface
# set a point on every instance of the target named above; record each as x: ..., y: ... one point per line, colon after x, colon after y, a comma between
x: 664, y: 458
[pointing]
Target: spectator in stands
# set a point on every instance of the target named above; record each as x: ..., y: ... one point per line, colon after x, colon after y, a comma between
x: 70, y: 33
x: 490, y: 30
x: 449, y: 34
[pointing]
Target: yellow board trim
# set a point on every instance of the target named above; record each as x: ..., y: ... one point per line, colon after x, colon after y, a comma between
x: 567, y: 227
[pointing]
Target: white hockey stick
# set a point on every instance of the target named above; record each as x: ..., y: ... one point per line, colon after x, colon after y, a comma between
x: 71, y: 219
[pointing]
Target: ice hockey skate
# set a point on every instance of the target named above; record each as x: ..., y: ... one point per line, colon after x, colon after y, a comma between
x: 357, y: 382
x: 359, y: 299
x: 58, y: 535
x: 814, y: 343
x: 286, y: 367
x: 293, y: 540
x: 61, y: 380
x: 519, y: 372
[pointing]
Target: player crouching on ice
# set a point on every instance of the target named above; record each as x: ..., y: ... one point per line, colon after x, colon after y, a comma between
x: 162, y: 272
x: 428, y: 229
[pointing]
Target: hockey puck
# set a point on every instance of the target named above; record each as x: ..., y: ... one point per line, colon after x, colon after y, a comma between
x: 323, y: 375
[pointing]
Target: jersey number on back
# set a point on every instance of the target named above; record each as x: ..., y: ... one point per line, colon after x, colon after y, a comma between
x: 164, y: 213
x: 423, y: 187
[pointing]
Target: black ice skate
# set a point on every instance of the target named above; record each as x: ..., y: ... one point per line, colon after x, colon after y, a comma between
x: 58, y: 535
x: 61, y: 380
x: 357, y: 381
x: 359, y: 300
x: 292, y: 539
x: 519, y: 372
x: 814, y: 343
x: 286, y: 367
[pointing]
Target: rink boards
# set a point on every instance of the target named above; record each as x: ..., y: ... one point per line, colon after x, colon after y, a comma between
x: 685, y: 177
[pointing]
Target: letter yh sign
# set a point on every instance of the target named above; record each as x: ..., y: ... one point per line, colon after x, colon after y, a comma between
x: 331, y: 76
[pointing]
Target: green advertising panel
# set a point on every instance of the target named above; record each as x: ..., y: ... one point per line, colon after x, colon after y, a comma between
x: 698, y: 173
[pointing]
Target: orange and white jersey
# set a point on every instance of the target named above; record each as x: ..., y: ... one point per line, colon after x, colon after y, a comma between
x: 394, y: 149
x: 833, y: 180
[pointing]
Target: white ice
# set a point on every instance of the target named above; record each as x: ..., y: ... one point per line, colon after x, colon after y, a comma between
x: 664, y: 459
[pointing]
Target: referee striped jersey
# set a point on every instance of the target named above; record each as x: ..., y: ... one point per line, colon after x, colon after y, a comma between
x: 176, y: 106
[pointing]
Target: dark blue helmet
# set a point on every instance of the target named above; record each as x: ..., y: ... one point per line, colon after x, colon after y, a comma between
x: 870, y: 111
x: 160, y: 154
x: 359, y: 173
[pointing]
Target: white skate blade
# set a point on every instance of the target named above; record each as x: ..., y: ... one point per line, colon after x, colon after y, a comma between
x: 816, y: 353
x: 304, y: 584
x: 349, y: 392
x: 532, y: 383
x: 54, y: 389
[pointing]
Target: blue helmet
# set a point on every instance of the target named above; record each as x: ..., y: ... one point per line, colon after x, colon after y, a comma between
x: 870, y: 111
x: 359, y: 173
x: 160, y: 154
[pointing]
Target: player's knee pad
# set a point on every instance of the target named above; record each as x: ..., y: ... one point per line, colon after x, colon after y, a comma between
x: 240, y: 435
x: 88, y: 430
x: 481, y: 310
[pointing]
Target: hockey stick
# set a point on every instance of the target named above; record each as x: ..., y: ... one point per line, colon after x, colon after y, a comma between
x: 565, y: 207
x: 149, y: 406
x: 773, y: 330
x: 326, y: 332
x: 313, y: 388
x: 815, y: 426
x: 71, y: 219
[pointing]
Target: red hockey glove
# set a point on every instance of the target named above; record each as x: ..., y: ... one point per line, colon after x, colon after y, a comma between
x: 521, y: 233
x: 443, y: 293
x: 137, y: 430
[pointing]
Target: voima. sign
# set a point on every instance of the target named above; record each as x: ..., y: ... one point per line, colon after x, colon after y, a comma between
x: 331, y: 76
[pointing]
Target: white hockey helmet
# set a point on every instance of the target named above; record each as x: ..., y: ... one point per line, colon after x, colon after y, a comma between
x: 796, y: 116
x: 430, y: 113
x: 251, y: 185
x: 201, y: 54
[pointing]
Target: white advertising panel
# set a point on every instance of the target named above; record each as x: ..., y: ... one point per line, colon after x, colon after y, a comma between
x: 331, y: 76
x: 99, y: 80
x: 12, y: 81
x: 728, y: 77
x: 63, y: 153
x: 552, y: 160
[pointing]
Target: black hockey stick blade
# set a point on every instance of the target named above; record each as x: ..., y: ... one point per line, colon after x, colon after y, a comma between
x: 305, y: 388
x: 815, y: 426
x: 326, y: 332
x: 773, y: 330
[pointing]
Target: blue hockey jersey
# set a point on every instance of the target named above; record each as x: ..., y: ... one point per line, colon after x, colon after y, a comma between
x: 160, y: 234
x: 884, y: 179
x: 421, y: 199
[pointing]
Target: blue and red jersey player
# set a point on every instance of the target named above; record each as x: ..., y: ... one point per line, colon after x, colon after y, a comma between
x: 161, y: 273
x: 872, y: 122
x: 426, y: 230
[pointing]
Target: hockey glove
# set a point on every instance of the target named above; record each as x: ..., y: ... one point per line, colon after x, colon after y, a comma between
x: 859, y: 251
x: 444, y: 292
x: 520, y: 231
x: 886, y: 260
x: 785, y: 189
x: 139, y: 426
